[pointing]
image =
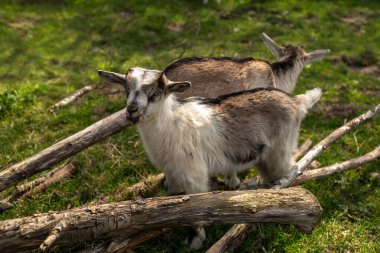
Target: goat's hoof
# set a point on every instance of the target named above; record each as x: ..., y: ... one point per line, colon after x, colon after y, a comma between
x: 195, y: 240
x: 165, y: 185
x: 233, y: 183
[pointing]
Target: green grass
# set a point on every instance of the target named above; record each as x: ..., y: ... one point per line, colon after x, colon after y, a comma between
x: 48, y: 49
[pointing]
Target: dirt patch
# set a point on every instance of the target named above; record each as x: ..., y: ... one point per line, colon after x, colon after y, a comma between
x: 365, y: 63
x: 125, y: 14
x: 366, y: 58
x: 23, y: 23
x: 341, y: 111
x: 311, y: 18
x: 372, y: 92
x: 355, y: 20
x: 175, y: 28
x: 372, y: 70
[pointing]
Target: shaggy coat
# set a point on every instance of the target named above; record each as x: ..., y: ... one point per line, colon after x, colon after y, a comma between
x: 193, y: 139
x: 215, y: 76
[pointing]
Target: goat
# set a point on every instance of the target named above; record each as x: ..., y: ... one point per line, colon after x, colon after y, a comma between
x: 192, y: 139
x: 215, y: 76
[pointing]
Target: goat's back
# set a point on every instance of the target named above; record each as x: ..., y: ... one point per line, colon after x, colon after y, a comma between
x: 215, y: 76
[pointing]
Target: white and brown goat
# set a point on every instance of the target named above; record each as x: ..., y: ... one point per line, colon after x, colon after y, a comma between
x: 215, y: 76
x: 193, y: 139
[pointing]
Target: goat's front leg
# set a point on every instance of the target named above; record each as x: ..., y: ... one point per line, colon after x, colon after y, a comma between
x: 231, y: 180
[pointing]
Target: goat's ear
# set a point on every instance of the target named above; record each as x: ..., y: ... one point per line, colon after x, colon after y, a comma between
x: 112, y: 77
x: 272, y: 46
x: 316, y: 55
x: 175, y: 86
x: 178, y: 86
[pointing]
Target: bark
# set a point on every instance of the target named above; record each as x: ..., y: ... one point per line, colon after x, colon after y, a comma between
x: 58, y: 174
x: 63, y: 149
x: 39, y: 184
x: 232, y: 239
x: 301, y: 150
x: 311, y: 175
x: 296, y: 170
x: 147, y: 184
x: 295, y: 206
x: 122, y: 245
x: 71, y: 99
x: 5, y: 205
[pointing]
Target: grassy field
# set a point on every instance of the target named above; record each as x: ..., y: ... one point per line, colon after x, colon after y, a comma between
x: 49, y: 49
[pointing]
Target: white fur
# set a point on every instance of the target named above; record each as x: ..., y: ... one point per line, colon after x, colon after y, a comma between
x: 168, y: 130
x: 287, y: 81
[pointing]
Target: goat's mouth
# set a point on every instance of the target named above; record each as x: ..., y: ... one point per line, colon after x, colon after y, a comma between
x: 133, y: 118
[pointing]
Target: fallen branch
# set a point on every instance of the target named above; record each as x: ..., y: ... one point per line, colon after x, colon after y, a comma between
x: 39, y: 184
x: 122, y: 245
x: 295, y: 171
x: 233, y: 238
x: 295, y: 206
x: 311, y: 175
x: 53, y: 236
x: 147, y: 184
x: 301, y: 150
x: 63, y: 149
x: 5, y: 205
x: 71, y: 99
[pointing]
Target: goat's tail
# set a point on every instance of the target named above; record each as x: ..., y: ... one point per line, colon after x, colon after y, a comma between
x: 308, y: 99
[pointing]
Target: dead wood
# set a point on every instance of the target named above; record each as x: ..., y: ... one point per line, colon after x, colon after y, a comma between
x: 147, y: 184
x: 295, y: 206
x: 301, y: 150
x: 72, y: 98
x: 39, y: 184
x: 63, y: 149
x: 311, y: 175
x: 223, y: 245
x: 5, y: 205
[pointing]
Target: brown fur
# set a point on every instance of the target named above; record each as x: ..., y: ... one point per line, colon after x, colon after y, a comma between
x: 211, y: 77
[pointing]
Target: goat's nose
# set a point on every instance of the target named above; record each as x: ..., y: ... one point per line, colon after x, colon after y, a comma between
x: 132, y: 109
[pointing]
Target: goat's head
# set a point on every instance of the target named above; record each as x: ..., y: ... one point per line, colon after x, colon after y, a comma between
x: 145, y: 88
x: 293, y: 52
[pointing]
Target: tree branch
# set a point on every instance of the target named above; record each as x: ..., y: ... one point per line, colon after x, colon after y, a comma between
x: 63, y: 149
x: 71, y: 99
x: 295, y: 206
x: 39, y: 184
x: 311, y: 175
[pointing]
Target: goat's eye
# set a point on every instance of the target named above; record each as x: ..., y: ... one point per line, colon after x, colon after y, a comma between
x: 157, y: 93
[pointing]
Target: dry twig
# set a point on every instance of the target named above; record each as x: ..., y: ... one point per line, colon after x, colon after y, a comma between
x: 72, y: 98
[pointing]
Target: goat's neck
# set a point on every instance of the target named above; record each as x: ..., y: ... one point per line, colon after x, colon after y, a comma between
x: 286, y: 79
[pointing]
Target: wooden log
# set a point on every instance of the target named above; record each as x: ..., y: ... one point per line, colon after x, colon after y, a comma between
x: 39, y: 184
x: 295, y: 206
x: 123, y: 245
x: 72, y: 98
x: 63, y: 149
x: 227, y: 240
x: 311, y: 175
x: 233, y: 238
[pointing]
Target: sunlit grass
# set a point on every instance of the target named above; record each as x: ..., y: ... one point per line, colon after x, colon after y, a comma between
x: 48, y: 49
